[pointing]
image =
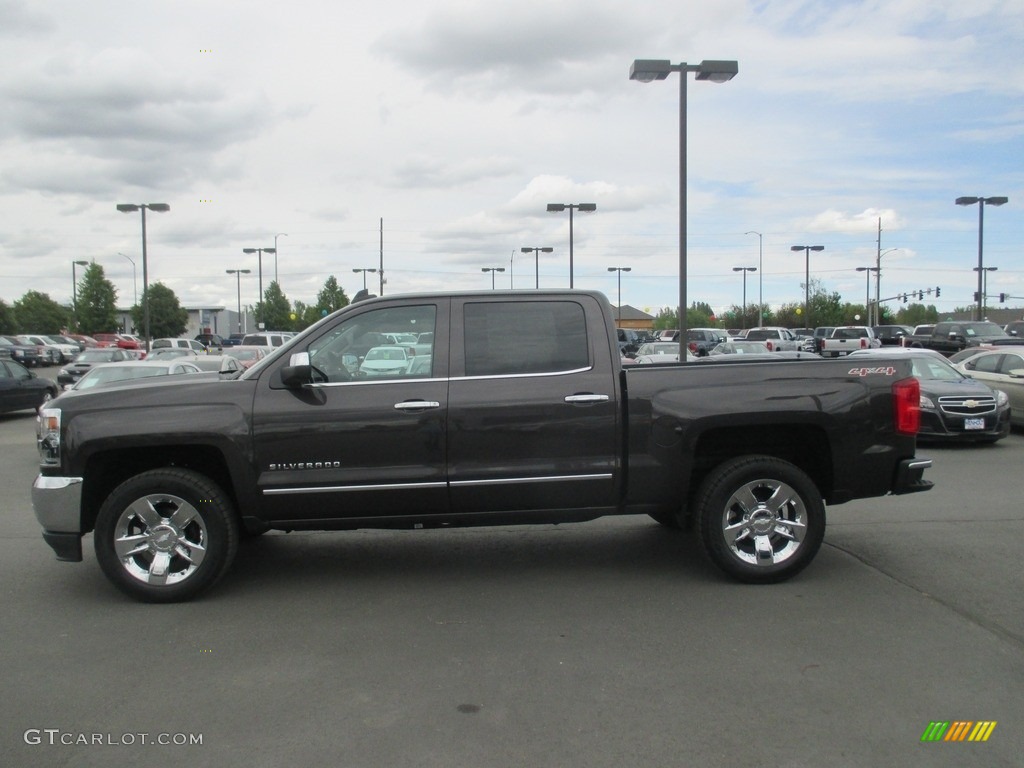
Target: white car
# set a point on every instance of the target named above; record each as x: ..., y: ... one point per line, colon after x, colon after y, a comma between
x: 391, y: 360
x: 190, y: 344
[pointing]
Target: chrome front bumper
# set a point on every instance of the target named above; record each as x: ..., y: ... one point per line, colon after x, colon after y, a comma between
x: 57, y: 502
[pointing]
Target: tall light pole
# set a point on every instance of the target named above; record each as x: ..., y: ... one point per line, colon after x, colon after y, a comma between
x: 74, y: 289
x: 158, y: 208
x: 238, y: 278
x: 760, y: 276
x: 492, y: 270
x: 135, y: 284
x: 744, y: 270
x: 620, y: 270
x: 583, y: 207
x: 878, y: 286
x: 536, y: 261
x: 867, y: 293
x: 807, y: 278
x: 981, y: 202
x: 364, y: 270
x: 984, y: 286
x: 649, y: 70
x: 279, y: 234
x: 260, y: 251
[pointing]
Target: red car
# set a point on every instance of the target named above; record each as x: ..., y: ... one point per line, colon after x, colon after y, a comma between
x: 115, y: 340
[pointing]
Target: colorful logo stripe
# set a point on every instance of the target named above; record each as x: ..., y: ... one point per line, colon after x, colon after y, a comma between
x: 958, y: 730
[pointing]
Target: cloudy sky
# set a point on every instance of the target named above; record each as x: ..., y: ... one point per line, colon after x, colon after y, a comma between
x: 456, y: 121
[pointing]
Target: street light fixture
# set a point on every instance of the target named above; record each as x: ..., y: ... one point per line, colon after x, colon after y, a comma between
x: 867, y: 293
x: 984, y: 285
x: 649, y: 70
x: 807, y: 278
x: 74, y: 289
x: 981, y: 202
x: 536, y: 261
x: 135, y: 284
x: 492, y: 270
x: 260, y: 304
x: 364, y: 271
x: 158, y: 208
x: 583, y: 207
x: 620, y: 270
x: 744, y: 270
x: 760, y: 276
x: 238, y: 278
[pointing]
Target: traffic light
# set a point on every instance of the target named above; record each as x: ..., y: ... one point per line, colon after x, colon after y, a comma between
x: 938, y: 291
x: 920, y: 295
x: 1002, y: 297
x: 977, y: 296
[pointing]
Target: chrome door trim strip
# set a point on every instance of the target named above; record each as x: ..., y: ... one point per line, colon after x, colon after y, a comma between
x: 519, y: 480
x: 418, y: 486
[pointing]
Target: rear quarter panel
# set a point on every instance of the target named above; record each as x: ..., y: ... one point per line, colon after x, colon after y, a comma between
x: 833, y: 418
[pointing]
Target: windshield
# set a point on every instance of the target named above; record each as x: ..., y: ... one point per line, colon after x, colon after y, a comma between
x: 983, y: 329
x: 934, y: 369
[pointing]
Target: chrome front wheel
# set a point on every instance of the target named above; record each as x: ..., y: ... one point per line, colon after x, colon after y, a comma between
x: 165, y: 535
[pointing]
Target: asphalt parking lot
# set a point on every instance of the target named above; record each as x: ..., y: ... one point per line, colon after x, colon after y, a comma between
x: 609, y: 643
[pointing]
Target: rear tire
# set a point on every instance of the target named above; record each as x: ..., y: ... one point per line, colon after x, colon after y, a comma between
x: 166, y: 535
x: 760, y: 519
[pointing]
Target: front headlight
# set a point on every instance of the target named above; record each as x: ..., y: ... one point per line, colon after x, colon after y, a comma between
x: 926, y: 403
x: 48, y: 436
x: 1001, y: 398
x: 64, y: 371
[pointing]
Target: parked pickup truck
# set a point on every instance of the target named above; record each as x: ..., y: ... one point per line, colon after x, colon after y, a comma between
x: 516, y: 410
x: 952, y: 336
x: 847, y: 338
x: 776, y: 339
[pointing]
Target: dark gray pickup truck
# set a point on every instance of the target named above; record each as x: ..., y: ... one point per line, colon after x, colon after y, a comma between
x: 953, y: 336
x: 470, y: 409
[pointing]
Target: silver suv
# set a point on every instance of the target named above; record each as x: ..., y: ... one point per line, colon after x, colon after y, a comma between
x: 266, y: 339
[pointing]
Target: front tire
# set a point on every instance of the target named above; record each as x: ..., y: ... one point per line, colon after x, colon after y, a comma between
x: 166, y: 535
x: 760, y: 519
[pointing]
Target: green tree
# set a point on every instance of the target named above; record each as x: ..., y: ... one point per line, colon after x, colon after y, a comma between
x: 791, y: 316
x: 917, y: 314
x: 7, y: 319
x: 700, y: 315
x: 331, y: 297
x: 275, y: 311
x: 36, y: 312
x: 97, y: 301
x: 666, y: 319
x: 166, y: 315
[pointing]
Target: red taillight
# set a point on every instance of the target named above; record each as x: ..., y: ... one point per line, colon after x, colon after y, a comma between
x: 693, y: 347
x: 770, y: 347
x: 863, y: 342
x: 906, y: 395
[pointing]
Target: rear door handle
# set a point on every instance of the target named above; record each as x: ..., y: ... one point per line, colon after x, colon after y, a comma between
x: 416, y: 405
x: 587, y: 398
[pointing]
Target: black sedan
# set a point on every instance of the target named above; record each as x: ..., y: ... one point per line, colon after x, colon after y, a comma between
x: 953, y: 406
x: 21, y: 389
